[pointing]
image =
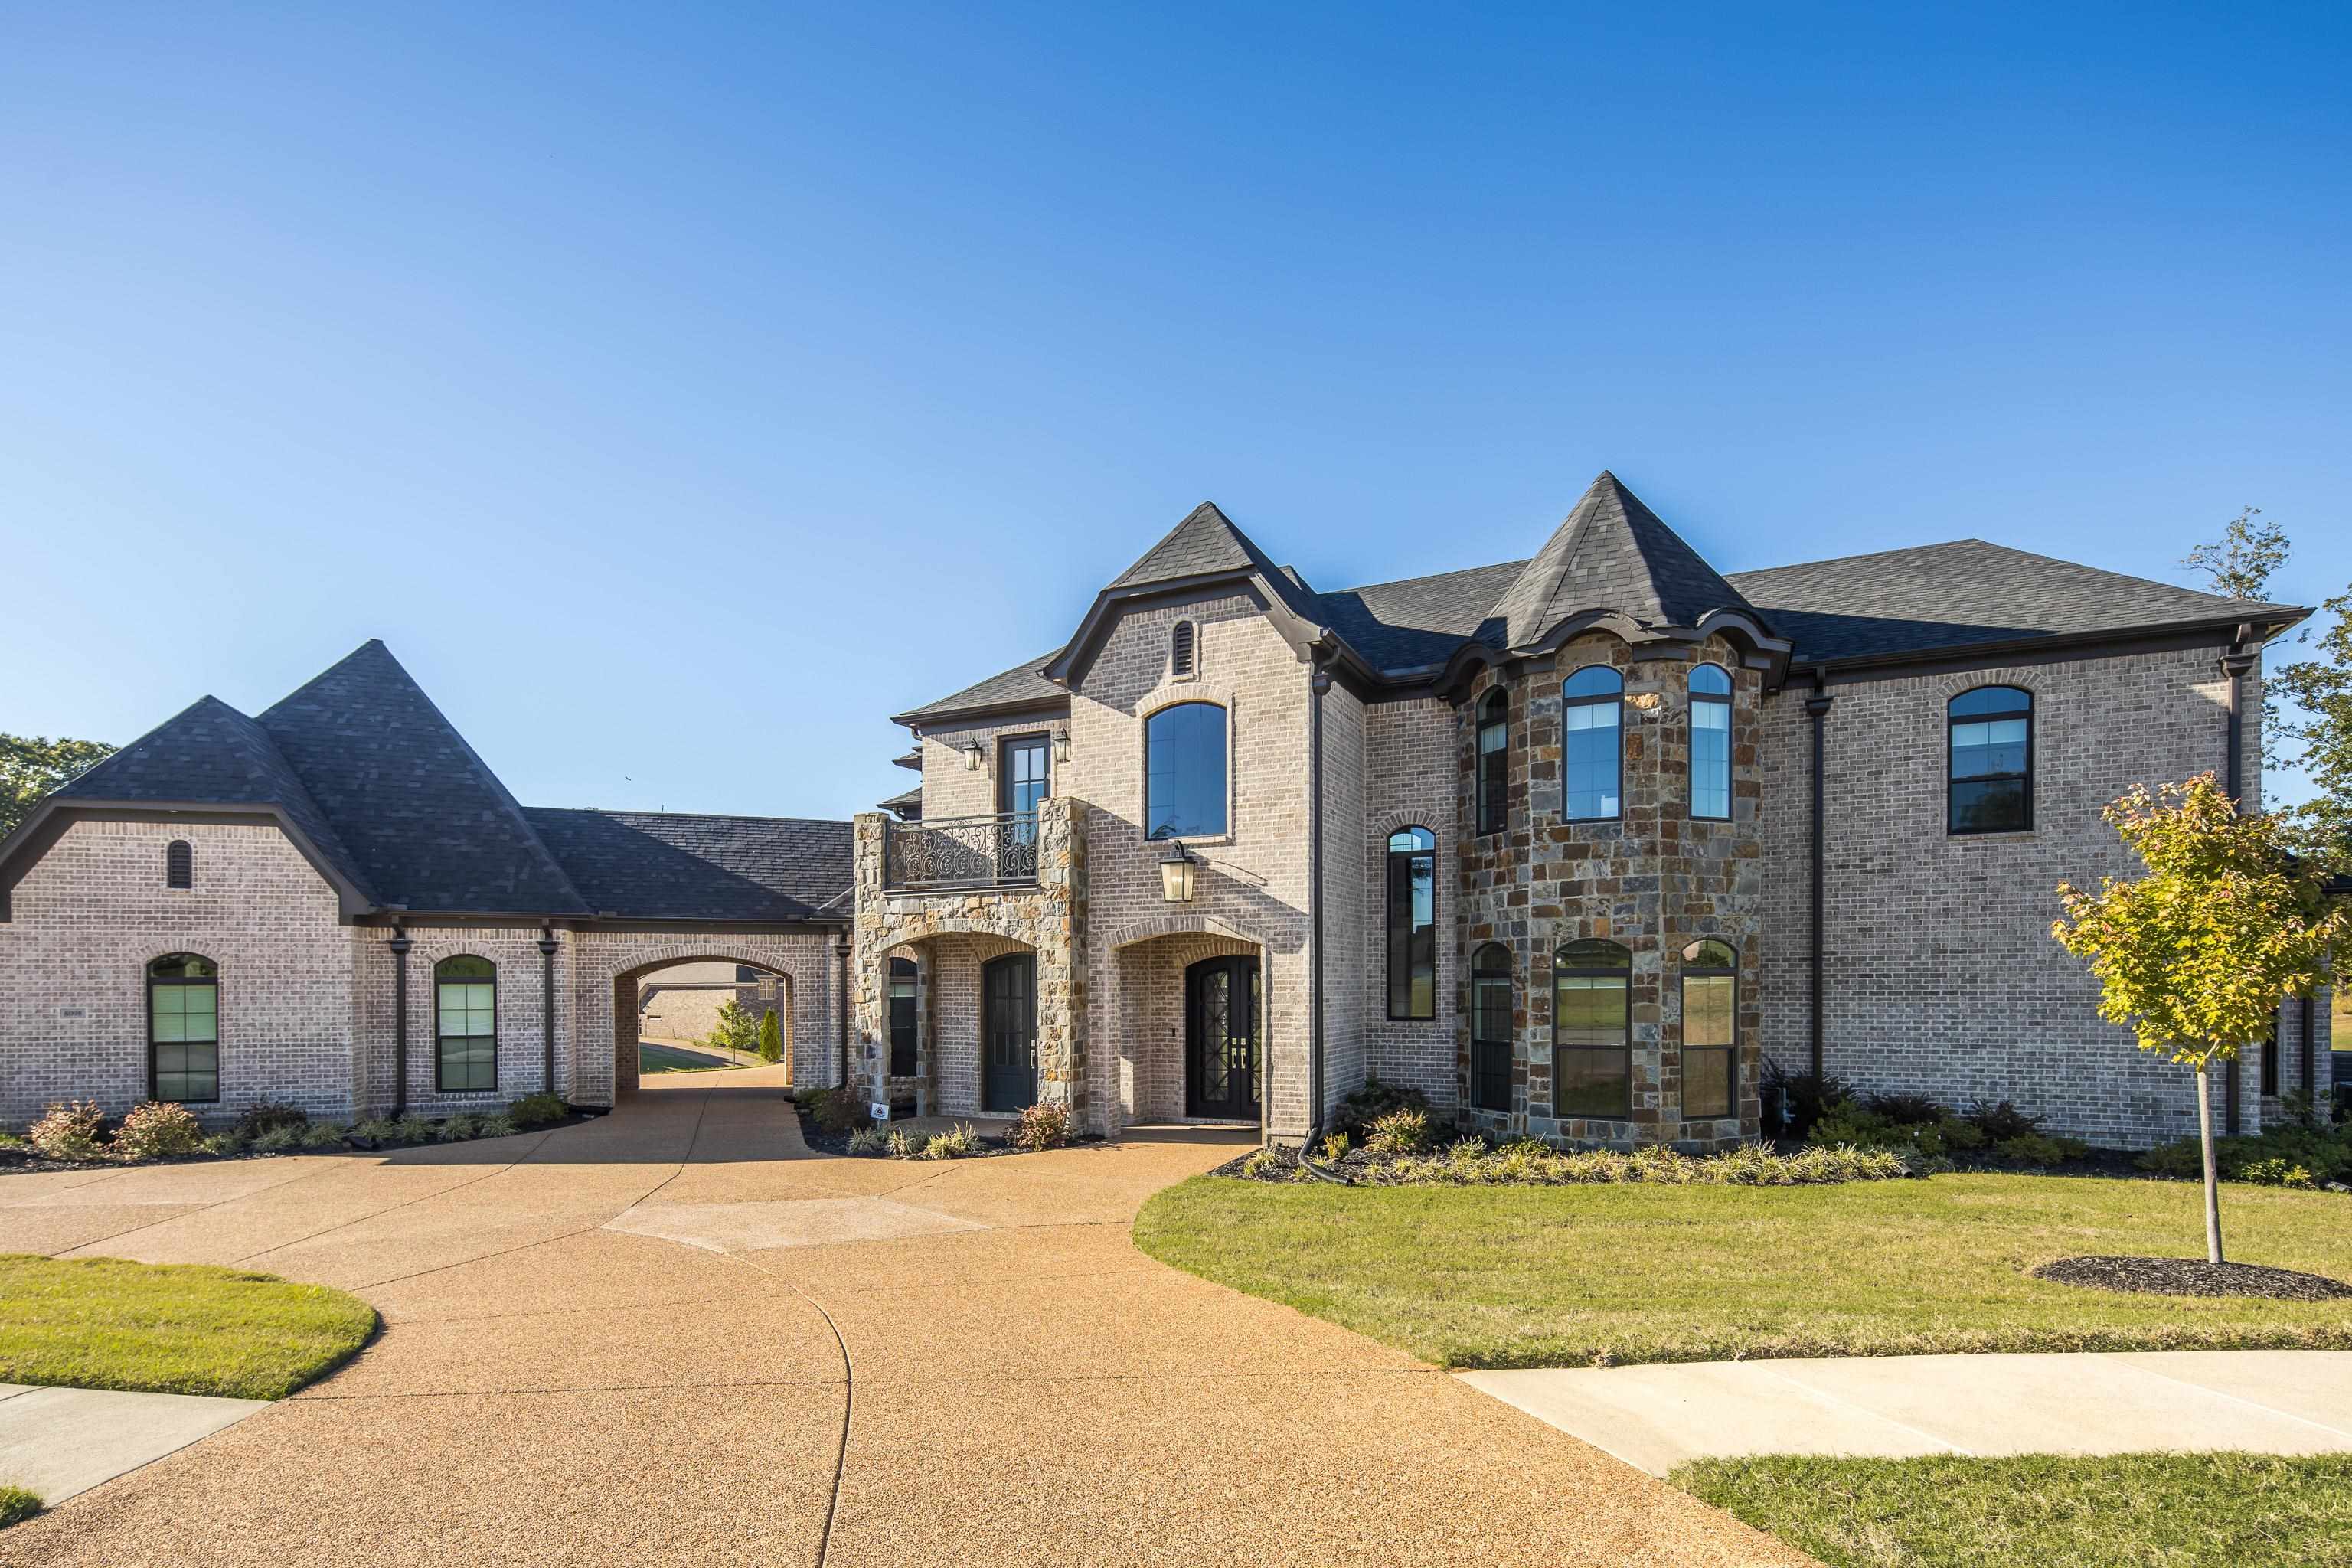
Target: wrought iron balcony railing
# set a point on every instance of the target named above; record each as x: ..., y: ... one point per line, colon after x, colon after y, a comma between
x: 962, y: 852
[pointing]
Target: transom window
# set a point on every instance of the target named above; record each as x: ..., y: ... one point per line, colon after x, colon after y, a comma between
x: 1710, y: 1028
x: 179, y: 864
x: 1494, y: 762
x: 1412, y: 923
x: 902, y: 1018
x: 1592, y: 704
x: 466, y: 1024
x: 1490, y: 1027
x: 182, y: 1029
x: 1710, y: 743
x: 1592, y: 1030
x: 1184, y: 772
x: 1991, y: 770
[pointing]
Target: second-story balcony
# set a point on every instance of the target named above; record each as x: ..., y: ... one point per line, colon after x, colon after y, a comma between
x: 952, y: 852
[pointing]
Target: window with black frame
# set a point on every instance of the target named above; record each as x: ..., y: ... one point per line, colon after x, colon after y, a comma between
x: 1490, y: 1027
x: 465, y: 1024
x: 1710, y: 743
x: 1412, y: 923
x: 183, y: 1028
x: 1710, y: 998
x: 1184, y: 772
x: 1592, y: 1030
x: 1992, y: 766
x: 1592, y: 704
x: 1494, y: 762
x: 902, y: 1018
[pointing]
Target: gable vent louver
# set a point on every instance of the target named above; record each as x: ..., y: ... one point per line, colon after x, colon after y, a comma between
x: 1179, y: 648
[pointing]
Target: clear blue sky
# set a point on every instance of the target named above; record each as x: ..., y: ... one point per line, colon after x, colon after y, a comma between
x: 679, y: 391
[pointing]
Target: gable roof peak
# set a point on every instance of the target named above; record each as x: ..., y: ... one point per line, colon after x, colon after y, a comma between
x: 1611, y: 554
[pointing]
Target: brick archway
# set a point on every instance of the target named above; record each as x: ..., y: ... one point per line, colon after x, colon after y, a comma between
x: 607, y: 968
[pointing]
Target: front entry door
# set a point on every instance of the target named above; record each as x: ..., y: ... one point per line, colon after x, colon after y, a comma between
x: 1220, y: 1038
x: 1008, y: 1025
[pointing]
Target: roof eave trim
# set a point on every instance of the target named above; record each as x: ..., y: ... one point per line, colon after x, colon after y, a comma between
x: 2224, y: 627
x: 34, y: 837
x: 1069, y: 667
x: 923, y: 717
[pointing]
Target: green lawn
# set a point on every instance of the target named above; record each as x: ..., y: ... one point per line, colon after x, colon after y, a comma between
x: 103, y: 1322
x: 1556, y: 1275
x: 679, y: 1058
x: 2040, y: 1511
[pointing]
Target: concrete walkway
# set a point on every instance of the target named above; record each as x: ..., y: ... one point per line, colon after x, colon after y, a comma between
x: 673, y: 1336
x: 2267, y: 1402
x: 58, y: 1442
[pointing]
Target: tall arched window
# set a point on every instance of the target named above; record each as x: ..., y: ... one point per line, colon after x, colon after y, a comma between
x: 466, y: 1024
x: 1991, y: 767
x: 1591, y: 702
x: 1592, y: 1030
x: 1179, y: 648
x: 1184, y: 772
x: 1412, y: 923
x: 1490, y: 1027
x: 1710, y: 1028
x: 182, y: 1029
x: 1494, y: 762
x: 179, y: 864
x: 902, y: 1018
x: 1710, y: 743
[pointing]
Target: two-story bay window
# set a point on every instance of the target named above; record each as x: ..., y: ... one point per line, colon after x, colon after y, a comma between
x: 1592, y: 1030
x: 1490, y: 1027
x: 1710, y: 743
x: 1494, y: 762
x: 465, y: 1024
x: 1710, y: 1000
x: 1412, y: 923
x: 1592, y: 704
x: 1991, y: 770
x: 1184, y: 772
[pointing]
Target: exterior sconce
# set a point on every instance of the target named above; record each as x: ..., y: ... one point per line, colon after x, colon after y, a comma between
x: 972, y: 757
x: 1176, y: 874
x: 1062, y: 745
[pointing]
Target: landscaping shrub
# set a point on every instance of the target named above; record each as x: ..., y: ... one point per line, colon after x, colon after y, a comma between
x: 2003, y: 1123
x: 1265, y: 1163
x: 263, y: 1115
x: 413, y: 1128
x: 68, y: 1132
x: 493, y: 1127
x: 2275, y: 1172
x: 541, y: 1109
x: 277, y: 1141
x: 456, y: 1129
x: 1335, y: 1147
x: 376, y: 1129
x: 230, y: 1142
x: 771, y: 1037
x: 2039, y: 1150
x: 323, y: 1135
x: 1906, y: 1109
x: 157, y: 1131
x: 837, y: 1111
x: 904, y: 1145
x: 1041, y: 1127
x: 2325, y: 1153
x: 871, y: 1141
x: 1794, y: 1100
x: 1374, y: 1100
x: 1527, y: 1162
x: 960, y: 1143
x: 1398, y: 1133
x: 17, y: 1504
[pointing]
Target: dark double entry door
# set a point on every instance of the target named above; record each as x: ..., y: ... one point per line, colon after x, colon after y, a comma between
x: 1220, y: 1038
x: 1008, y: 1032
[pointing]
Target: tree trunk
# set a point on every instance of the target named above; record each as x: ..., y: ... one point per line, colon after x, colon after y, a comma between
x: 2212, y: 1177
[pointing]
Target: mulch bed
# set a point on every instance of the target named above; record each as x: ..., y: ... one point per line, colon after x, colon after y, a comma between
x: 28, y: 1158
x: 2192, y: 1277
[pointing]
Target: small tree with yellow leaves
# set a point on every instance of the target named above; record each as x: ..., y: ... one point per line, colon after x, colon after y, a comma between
x: 2197, y: 955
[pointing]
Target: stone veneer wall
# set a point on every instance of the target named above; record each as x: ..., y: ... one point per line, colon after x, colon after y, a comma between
x: 90, y: 916
x: 1940, y: 976
x: 1654, y: 881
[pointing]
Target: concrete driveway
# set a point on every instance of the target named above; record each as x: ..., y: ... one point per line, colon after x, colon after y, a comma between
x: 673, y: 1335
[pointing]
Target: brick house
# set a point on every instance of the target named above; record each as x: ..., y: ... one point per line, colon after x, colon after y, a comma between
x: 336, y: 903
x: 1572, y: 843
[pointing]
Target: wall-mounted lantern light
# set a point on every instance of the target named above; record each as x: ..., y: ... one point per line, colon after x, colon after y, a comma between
x: 974, y: 756
x: 1062, y: 745
x: 1176, y: 874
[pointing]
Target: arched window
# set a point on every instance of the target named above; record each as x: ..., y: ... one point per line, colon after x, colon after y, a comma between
x: 465, y: 1024
x: 1710, y: 743
x: 1591, y: 702
x: 1184, y: 772
x: 179, y: 864
x: 182, y: 1029
x: 1490, y: 1027
x: 902, y: 1018
x: 1179, y: 648
x: 1494, y: 762
x: 1710, y: 1028
x: 1991, y: 770
x: 1592, y: 1030
x: 1412, y: 923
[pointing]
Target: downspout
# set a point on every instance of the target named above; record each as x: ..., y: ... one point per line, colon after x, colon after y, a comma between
x: 547, y: 1004
x: 2236, y: 664
x: 1817, y: 709
x: 1318, y: 683
x: 399, y: 944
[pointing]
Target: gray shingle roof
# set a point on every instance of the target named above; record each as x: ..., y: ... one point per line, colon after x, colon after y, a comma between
x: 1950, y: 595
x: 210, y: 753
x: 1416, y: 623
x: 425, y: 819
x: 643, y: 865
x: 1021, y: 683
x: 1611, y: 554
x: 1207, y: 543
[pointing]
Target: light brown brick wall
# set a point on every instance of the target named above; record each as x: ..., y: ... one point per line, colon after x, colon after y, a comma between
x: 1410, y: 754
